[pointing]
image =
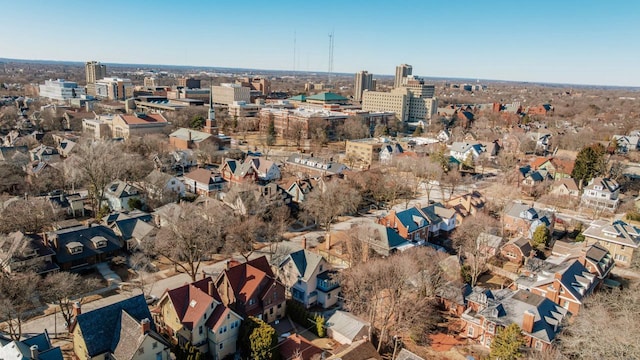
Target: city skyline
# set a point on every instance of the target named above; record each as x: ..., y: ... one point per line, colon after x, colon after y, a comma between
x: 573, y: 42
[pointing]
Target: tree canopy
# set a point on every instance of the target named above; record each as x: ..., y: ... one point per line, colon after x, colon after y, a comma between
x: 507, y: 343
x: 590, y: 163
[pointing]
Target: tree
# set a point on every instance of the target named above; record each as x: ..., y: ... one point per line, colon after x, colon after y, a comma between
x: 197, y: 122
x: 191, y: 236
x: 616, y: 337
x: 380, y: 130
x: 540, y: 237
x: 468, y: 238
x: 258, y: 339
x: 320, y: 325
x: 354, y: 128
x: 325, y: 204
x: 418, y: 131
x: 589, y: 163
x: 63, y: 289
x: 507, y: 343
x: 16, y: 294
x: 28, y: 215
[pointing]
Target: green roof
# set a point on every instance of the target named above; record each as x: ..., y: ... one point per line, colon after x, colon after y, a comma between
x: 327, y: 96
x: 300, y: 97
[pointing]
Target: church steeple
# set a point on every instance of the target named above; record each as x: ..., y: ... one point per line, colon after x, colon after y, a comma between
x: 210, y: 124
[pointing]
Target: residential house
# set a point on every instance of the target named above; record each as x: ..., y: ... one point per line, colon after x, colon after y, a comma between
x: 235, y: 171
x: 81, y: 247
x: 619, y: 238
x: 599, y: 261
x: 183, y: 139
x: 601, y: 194
x: 119, y: 194
x: 134, y: 230
x: 389, y: 151
x: 533, y: 178
x: 296, y: 347
x: 267, y: 170
x: 36, y: 347
x: 137, y: 124
x: 309, y: 279
x: 347, y: 328
x: 462, y: 151
x: 44, y: 153
x: 300, y: 188
x: 466, y: 205
x: 557, y: 167
x: 203, y: 182
x: 488, y: 244
x: 251, y: 289
x: 71, y: 204
x: 66, y: 147
x: 194, y: 313
x: 441, y: 219
x: 626, y: 143
x: 19, y: 252
x: 8, y: 153
x: 539, y: 318
x: 122, y: 330
x: 382, y: 239
x: 566, y: 284
x: 411, y: 224
x: 522, y: 219
x: 517, y: 250
x: 358, y: 350
x: 163, y: 187
x: 246, y: 200
x: 453, y: 297
x: 308, y: 166
x: 565, y: 187
x: 543, y: 141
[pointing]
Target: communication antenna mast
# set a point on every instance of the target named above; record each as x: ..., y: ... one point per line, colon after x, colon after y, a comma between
x: 331, y: 38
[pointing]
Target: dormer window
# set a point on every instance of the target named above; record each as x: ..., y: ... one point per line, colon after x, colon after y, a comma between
x: 99, y: 242
x: 74, y: 247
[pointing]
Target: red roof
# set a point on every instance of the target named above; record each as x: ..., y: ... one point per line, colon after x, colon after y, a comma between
x: 191, y: 301
x: 535, y: 164
x: 245, y: 279
x: 296, y: 343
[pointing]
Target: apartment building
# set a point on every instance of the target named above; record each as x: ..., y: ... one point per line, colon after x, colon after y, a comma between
x: 364, y: 81
x: 226, y: 93
x: 94, y: 70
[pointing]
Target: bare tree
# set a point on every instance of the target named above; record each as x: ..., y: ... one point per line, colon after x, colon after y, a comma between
x: 28, y: 215
x: 191, y: 236
x: 327, y: 203
x: 16, y: 294
x: 471, y: 245
x: 616, y: 337
x: 63, y: 289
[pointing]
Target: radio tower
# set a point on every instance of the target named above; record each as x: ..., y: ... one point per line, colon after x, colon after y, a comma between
x: 330, y: 54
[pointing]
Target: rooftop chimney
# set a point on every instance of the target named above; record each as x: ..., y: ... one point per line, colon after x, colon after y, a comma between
x: 145, y: 326
x: 77, y: 310
x: 328, y: 241
x: 211, y: 288
x: 304, y: 242
x: 527, y: 321
x: 33, y: 350
x: 204, y: 275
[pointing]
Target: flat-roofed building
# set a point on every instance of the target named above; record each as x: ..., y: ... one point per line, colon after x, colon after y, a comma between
x: 60, y: 90
x: 226, y: 94
x: 114, y: 88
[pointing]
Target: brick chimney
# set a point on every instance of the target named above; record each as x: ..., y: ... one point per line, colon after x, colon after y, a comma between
x: 210, y: 288
x: 304, y: 242
x: 145, y: 326
x: 328, y: 241
x: 33, y: 351
x: 527, y: 321
x: 76, y: 309
x: 204, y: 275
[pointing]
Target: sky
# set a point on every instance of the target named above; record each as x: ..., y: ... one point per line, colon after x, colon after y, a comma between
x: 561, y: 41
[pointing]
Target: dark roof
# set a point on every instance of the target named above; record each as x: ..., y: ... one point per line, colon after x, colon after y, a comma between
x: 407, y: 218
x: 127, y: 226
x: 101, y: 327
x: 83, y: 235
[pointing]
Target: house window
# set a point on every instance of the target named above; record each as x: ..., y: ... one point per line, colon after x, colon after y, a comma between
x: 470, y: 331
x: 491, y: 328
x: 619, y: 257
x: 487, y: 342
x: 154, y: 345
x: 271, y: 311
x: 200, y: 330
x: 141, y: 351
x: 279, y: 306
x: 538, y: 345
x: 221, y: 346
x: 252, y: 301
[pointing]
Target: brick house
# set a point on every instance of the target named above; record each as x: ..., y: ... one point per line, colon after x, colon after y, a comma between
x: 522, y: 219
x: 251, y: 289
x: 411, y: 224
x: 539, y: 318
x: 517, y: 250
x: 566, y: 284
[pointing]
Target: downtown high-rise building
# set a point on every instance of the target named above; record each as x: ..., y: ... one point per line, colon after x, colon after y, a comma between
x: 94, y: 71
x: 364, y: 81
x: 402, y: 72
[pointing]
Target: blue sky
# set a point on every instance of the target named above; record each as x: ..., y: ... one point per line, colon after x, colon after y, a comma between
x: 563, y: 41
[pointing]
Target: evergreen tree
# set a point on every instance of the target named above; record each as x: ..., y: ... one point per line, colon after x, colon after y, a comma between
x: 590, y: 163
x: 320, y: 331
x: 507, y: 343
x: 258, y: 339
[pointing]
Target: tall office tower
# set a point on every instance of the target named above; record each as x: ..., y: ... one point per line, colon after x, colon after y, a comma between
x: 364, y: 81
x: 402, y: 71
x: 94, y: 71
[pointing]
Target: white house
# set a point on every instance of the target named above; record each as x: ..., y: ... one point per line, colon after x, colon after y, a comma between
x: 627, y: 143
x: 309, y: 279
x: 346, y: 328
x: 118, y: 193
x: 388, y: 151
x: 267, y: 170
x: 161, y: 185
x: 601, y: 193
x: 461, y: 150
